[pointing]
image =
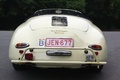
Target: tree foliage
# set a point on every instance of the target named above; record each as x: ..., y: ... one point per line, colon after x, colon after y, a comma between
x: 14, y: 12
x: 104, y: 13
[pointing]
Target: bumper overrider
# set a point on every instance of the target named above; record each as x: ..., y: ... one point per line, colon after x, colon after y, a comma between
x: 95, y: 62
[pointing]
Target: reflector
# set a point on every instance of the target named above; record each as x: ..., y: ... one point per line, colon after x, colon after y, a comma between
x: 21, y: 51
x: 29, y: 56
x: 96, y: 53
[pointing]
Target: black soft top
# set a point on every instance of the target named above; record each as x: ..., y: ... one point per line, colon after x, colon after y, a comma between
x: 58, y: 11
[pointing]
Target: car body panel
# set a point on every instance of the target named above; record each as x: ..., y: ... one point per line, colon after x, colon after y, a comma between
x: 36, y: 30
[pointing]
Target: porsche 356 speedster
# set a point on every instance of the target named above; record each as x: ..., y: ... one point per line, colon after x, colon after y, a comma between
x: 58, y: 38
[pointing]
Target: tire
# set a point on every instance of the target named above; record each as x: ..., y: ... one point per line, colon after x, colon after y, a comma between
x: 18, y: 67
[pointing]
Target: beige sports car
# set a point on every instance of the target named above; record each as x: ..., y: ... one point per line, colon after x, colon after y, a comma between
x: 58, y: 38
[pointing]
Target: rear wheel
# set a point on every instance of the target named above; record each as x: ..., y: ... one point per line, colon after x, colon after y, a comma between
x: 18, y: 66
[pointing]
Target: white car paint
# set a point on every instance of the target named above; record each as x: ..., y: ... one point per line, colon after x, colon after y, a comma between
x: 37, y: 29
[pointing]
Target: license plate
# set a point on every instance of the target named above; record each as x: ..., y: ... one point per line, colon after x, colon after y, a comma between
x: 59, y: 42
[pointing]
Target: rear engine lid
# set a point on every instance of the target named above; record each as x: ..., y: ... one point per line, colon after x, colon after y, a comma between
x: 59, y: 21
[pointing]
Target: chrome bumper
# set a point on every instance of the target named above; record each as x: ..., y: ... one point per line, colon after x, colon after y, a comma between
x: 58, y: 62
x: 20, y: 60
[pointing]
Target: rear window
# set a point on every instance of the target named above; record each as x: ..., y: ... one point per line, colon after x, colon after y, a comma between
x: 59, y: 21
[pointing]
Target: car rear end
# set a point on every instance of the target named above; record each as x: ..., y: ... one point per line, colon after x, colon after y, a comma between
x: 58, y: 41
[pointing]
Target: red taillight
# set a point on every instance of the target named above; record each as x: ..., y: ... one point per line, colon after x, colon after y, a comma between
x: 29, y: 56
x: 95, y: 47
x: 22, y: 45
